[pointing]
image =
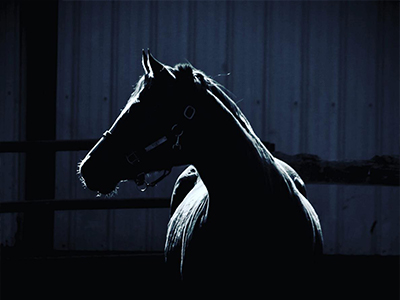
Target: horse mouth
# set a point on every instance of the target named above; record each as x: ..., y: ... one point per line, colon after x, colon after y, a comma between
x: 108, y: 190
x: 104, y: 188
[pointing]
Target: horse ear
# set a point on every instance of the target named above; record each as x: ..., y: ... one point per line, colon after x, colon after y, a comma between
x: 145, y: 62
x: 154, y: 65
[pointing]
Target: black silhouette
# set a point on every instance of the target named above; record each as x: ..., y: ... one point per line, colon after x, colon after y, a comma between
x: 240, y: 220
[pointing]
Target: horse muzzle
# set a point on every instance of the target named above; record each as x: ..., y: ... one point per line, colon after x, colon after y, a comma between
x: 97, y: 177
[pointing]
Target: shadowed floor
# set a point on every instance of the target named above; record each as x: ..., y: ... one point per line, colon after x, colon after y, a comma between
x: 121, y: 275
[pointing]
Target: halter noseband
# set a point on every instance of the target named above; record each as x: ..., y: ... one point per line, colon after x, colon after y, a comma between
x: 135, y: 157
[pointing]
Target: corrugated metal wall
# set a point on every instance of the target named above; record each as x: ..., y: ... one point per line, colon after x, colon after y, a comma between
x: 312, y: 77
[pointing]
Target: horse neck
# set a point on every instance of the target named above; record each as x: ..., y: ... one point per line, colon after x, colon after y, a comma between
x: 231, y: 161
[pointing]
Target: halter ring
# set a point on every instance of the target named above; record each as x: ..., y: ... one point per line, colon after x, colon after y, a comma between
x: 189, y: 112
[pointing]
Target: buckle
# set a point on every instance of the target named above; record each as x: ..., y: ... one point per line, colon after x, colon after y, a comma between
x: 189, y: 112
x: 132, y: 158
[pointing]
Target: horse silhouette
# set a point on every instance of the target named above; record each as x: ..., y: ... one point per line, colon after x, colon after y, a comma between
x: 240, y: 219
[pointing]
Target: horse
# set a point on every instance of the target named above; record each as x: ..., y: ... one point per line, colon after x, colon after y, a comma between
x: 240, y: 219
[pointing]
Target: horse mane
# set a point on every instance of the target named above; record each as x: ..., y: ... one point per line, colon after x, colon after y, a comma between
x: 192, y: 212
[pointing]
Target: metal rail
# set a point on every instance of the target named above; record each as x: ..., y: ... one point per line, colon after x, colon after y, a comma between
x: 83, y: 204
x: 61, y: 145
x: 46, y: 146
x: 380, y: 170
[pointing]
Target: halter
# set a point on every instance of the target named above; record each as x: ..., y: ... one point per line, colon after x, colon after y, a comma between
x: 136, y: 157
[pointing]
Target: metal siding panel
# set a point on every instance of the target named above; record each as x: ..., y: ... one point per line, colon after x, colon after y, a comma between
x: 126, y: 64
x: 171, y: 32
x: 12, y: 104
x: 66, y: 162
x: 62, y: 230
x: 323, y: 65
x: 358, y: 218
x: 91, y: 230
x: 361, y: 86
x: 8, y: 229
x: 65, y: 96
x: 84, y: 118
x: 324, y: 200
x: 209, y: 38
x: 93, y: 67
x: 66, y: 181
x: 388, y: 241
x: 158, y: 221
x: 248, y: 60
x: 130, y: 230
x: 389, y: 136
x: 285, y: 76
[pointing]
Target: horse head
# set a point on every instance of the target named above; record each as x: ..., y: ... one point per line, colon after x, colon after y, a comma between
x: 149, y: 133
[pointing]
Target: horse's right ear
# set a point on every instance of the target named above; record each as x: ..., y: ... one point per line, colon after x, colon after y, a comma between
x: 144, y: 62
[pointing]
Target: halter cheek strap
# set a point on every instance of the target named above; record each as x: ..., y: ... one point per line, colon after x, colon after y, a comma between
x: 134, y: 157
x: 176, y: 132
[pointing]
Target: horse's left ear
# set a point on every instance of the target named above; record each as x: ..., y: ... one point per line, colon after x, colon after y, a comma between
x: 155, y: 66
x: 145, y: 62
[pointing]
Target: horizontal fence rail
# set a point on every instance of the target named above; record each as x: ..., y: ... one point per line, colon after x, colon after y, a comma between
x: 47, y: 146
x: 83, y: 204
x: 61, y: 145
x: 380, y: 170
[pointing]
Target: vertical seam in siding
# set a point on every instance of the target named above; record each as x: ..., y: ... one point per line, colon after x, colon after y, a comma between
x: 376, y: 244
x: 342, y: 79
x: 113, y: 94
x: 268, y: 83
x: 380, y: 59
x: 341, y: 121
x: 229, y: 43
x: 153, y: 26
x: 192, y: 32
x: 265, y: 79
x: 304, y: 82
x: 75, y: 60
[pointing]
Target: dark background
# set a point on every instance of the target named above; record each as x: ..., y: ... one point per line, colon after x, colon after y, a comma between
x: 312, y: 77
